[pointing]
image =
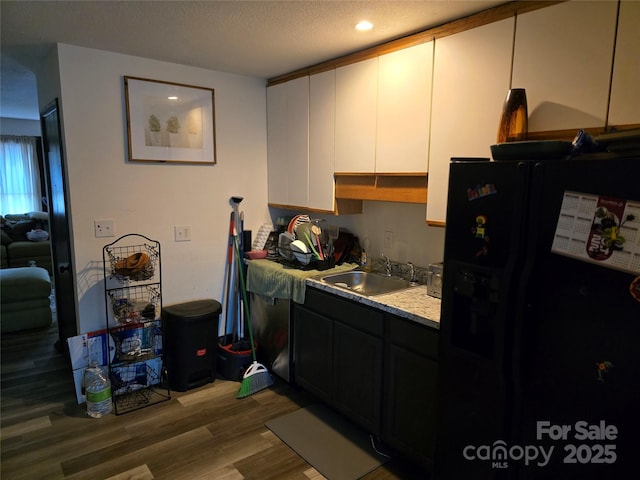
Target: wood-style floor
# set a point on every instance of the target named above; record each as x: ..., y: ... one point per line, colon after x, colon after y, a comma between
x: 205, y: 433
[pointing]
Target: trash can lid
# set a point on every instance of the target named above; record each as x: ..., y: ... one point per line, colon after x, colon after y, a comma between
x: 196, y: 308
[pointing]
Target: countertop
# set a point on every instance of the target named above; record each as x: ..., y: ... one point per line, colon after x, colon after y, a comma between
x: 274, y: 280
x: 412, y: 303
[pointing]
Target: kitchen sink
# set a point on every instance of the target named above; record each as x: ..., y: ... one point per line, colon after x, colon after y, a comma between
x: 366, y: 283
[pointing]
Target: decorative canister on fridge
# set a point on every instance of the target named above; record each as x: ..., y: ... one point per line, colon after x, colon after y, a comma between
x: 514, y: 122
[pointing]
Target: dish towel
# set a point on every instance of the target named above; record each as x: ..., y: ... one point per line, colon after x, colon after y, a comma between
x: 274, y: 280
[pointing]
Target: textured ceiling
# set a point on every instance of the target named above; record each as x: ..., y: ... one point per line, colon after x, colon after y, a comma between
x: 257, y: 38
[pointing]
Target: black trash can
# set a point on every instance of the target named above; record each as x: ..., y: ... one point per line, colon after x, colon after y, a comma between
x: 191, y: 339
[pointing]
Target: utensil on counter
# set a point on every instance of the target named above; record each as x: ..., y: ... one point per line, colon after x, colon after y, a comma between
x: 284, y: 245
x: 296, y: 221
x: 333, y: 232
x: 305, y: 234
x: 313, y: 249
x: 317, y: 231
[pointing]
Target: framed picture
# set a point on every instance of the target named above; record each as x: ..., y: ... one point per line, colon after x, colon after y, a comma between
x: 170, y: 122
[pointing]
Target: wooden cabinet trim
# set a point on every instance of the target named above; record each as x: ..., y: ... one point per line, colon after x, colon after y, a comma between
x: 456, y: 26
x: 343, y: 206
x: 406, y: 188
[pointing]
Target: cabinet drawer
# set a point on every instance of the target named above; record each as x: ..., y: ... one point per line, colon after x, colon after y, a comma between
x: 350, y: 313
x: 413, y: 336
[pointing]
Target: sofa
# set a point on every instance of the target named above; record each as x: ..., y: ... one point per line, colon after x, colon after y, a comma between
x: 23, y: 240
x: 25, y: 299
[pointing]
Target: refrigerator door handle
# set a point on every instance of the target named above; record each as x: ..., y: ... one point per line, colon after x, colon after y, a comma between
x: 524, y: 296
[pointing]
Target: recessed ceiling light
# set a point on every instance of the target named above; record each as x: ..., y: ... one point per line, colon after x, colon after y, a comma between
x: 363, y: 26
x: 172, y: 98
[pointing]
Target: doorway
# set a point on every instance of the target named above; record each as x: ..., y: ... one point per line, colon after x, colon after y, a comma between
x: 57, y: 193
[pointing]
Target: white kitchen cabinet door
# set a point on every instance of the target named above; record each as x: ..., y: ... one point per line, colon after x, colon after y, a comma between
x: 298, y: 141
x: 470, y: 81
x: 277, y: 163
x: 562, y: 57
x: 322, y: 107
x: 404, y: 109
x: 288, y: 142
x: 356, y: 106
x: 625, y: 95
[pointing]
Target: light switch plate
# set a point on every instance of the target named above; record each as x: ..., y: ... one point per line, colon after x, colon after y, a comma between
x: 182, y: 233
x: 104, y: 228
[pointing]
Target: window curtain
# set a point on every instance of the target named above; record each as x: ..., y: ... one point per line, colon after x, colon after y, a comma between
x: 19, y: 175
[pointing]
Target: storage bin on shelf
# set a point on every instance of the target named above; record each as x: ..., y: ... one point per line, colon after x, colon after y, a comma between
x: 136, y: 362
x: 135, y: 303
x: 135, y: 262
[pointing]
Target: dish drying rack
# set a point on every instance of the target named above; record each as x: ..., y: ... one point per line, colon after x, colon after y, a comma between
x: 287, y: 256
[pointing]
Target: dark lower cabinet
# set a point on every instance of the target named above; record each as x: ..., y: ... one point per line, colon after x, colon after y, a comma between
x: 313, y: 352
x: 378, y: 369
x: 411, y: 371
x: 338, y: 355
x: 357, y: 375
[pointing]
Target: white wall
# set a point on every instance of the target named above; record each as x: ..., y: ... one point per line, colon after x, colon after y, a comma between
x: 151, y: 198
x: 413, y: 241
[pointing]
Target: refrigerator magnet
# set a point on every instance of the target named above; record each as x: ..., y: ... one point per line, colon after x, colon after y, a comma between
x: 480, y: 228
x: 634, y: 289
x: 480, y: 191
x: 479, y: 231
x: 603, y: 368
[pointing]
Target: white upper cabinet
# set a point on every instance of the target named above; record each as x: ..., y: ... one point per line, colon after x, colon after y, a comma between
x: 562, y: 57
x: 404, y: 108
x: 625, y: 94
x: 355, y: 120
x: 288, y: 142
x: 322, y: 106
x: 277, y: 161
x: 470, y: 81
x: 298, y: 141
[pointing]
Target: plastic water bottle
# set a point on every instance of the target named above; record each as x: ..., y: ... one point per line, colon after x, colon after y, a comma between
x: 97, y: 390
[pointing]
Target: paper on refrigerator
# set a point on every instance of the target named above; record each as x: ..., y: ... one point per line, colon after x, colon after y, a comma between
x: 599, y: 229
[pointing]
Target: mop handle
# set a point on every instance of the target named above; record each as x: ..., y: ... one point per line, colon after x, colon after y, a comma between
x: 244, y: 295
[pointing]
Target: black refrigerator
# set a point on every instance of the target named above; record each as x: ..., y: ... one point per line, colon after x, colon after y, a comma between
x: 539, y: 356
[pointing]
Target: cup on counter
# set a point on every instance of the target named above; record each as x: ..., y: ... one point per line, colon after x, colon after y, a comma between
x: 284, y: 245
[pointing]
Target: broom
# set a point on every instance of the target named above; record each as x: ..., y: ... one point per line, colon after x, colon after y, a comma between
x: 256, y: 377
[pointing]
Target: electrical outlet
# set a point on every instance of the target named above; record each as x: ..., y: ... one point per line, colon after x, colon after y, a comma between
x: 182, y: 233
x: 104, y: 228
x: 388, y: 239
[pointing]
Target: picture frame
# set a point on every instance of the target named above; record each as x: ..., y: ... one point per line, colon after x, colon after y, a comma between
x: 170, y: 122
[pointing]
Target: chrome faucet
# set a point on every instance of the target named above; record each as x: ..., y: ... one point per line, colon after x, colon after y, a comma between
x: 412, y: 272
x: 387, y: 265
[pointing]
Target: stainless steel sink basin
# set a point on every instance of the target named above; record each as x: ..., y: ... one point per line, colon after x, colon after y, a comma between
x: 366, y: 283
